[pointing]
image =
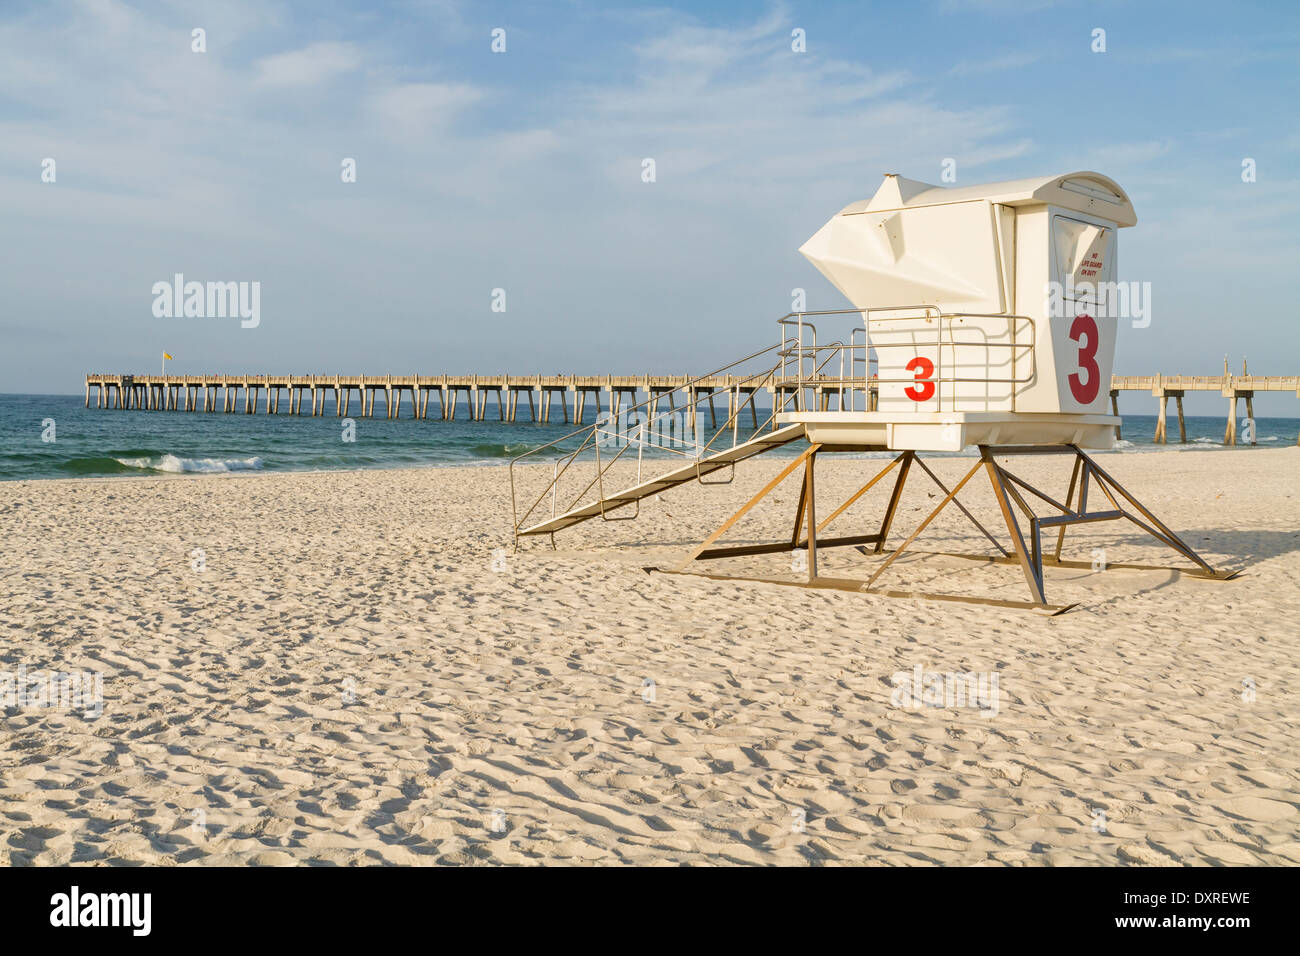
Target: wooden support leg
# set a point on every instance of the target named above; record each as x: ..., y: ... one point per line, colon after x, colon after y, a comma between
x: 1182, y: 425
x: 810, y: 499
x: 888, y: 520
x: 1069, y: 503
x: 800, y: 512
x: 1033, y: 568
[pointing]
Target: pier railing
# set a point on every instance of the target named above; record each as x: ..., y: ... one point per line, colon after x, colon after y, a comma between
x: 806, y: 375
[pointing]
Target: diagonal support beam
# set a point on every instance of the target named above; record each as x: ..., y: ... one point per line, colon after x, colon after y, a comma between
x: 921, y: 527
x: 767, y: 489
x: 1033, y: 571
x: 964, y: 510
x: 862, y: 491
x: 1177, y: 543
x: 1069, y: 497
x: 892, y: 508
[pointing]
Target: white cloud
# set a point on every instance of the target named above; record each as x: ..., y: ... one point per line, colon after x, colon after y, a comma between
x: 472, y: 177
x: 409, y: 110
x: 998, y: 7
x: 997, y: 64
x: 307, y: 67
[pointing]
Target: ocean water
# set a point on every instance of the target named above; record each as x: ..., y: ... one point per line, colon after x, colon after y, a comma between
x: 104, y: 442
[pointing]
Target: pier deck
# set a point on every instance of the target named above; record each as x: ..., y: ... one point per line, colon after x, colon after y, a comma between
x: 498, y: 396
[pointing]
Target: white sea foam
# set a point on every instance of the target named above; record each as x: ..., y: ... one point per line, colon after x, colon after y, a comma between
x: 211, y: 466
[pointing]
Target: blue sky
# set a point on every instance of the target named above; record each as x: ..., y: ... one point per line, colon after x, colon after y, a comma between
x: 522, y: 171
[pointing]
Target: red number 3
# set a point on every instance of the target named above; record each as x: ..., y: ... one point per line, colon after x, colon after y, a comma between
x: 922, y: 368
x: 1086, y: 329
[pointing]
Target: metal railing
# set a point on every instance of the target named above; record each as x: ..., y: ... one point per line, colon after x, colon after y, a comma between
x: 861, y: 357
x: 802, y: 366
x: 649, y: 434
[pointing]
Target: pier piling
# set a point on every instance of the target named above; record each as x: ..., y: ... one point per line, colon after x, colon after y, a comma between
x: 163, y: 393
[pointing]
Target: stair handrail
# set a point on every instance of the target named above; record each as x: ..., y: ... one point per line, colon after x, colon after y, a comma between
x: 590, y: 432
x: 763, y: 377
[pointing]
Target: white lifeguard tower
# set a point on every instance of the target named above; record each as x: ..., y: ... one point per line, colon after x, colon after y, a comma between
x: 981, y: 321
x: 954, y: 288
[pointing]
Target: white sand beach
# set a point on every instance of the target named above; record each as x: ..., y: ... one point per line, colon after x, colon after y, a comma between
x: 348, y: 673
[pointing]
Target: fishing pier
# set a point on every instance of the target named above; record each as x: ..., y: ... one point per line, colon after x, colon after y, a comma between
x: 553, y: 397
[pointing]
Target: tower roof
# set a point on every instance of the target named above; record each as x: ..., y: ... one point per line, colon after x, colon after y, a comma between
x: 1082, y: 191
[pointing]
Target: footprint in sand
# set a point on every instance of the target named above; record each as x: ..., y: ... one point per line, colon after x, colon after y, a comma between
x: 1257, y: 809
x: 949, y: 816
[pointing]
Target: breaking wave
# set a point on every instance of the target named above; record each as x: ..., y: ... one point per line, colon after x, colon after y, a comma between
x: 205, y: 466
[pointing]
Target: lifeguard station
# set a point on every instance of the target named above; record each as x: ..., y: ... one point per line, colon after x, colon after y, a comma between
x: 979, y: 322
